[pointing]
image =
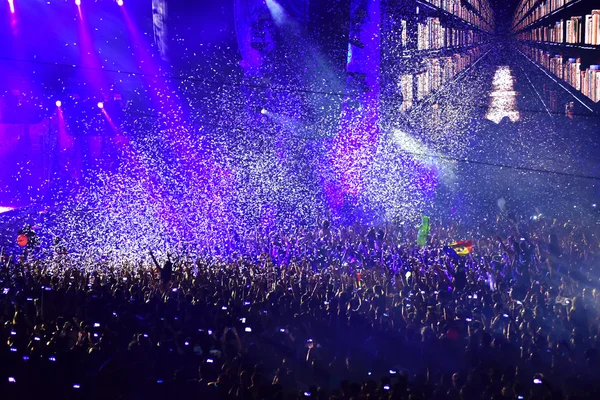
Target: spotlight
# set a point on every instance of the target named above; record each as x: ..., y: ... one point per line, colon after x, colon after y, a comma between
x: 11, y: 5
x: 58, y: 103
x: 120, y: 3
x: 100, y: 105
x: 263, y: 111
x: 77, y: 3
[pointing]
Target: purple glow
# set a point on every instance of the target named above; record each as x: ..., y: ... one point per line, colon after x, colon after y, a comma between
x: 100, y: 105
x: 359, y: 131
x: 58, y: 103
x: 90, y: 58
x: 11, y: 5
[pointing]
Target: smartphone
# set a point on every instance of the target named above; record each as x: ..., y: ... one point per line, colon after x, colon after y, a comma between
x: 246, y: 303
x: 96, y: 325
x: 248, y: 329
x: 386, y: 387
x: 76, y: 386
x: 326, y: 303
x: 210, y: 360
x: 537, y: 381
x: 393, y: 372
x: 307, y: 394
x: 174, y: 289
x: 243, y: 320
x: 468, y: 319
x: 11, y: 379
x: 282, y: 330
x: 505, y: 315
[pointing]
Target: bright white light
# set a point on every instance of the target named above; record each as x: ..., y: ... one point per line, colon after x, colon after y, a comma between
x: 100, y: 105
x: 277, y: 12
x: 159, y: 25
x: 77, y: 3
x: 120, y: 3
x: 503, y: 99
x: 58, y: 103
x: 11, y: 5
x: 5, y: 209
x: 418, y: 150
x: 263, y: 111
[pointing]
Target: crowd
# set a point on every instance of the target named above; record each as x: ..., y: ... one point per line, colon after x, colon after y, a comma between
x: 332, y: 312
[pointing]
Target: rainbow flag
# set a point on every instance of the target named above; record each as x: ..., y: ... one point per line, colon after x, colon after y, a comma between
x: 463, y: 247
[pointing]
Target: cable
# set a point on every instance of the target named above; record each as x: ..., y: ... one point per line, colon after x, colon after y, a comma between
x: 267, y: 87
x: 491, y: 164
x: 456, y: 159
x: 176, y: 78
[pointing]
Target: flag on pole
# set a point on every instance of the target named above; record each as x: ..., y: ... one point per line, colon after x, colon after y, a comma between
x: 423, y: 231
x: 463, y: 247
